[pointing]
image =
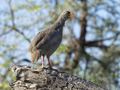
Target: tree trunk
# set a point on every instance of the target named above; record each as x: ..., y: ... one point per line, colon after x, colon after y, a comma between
x: 29, y: 78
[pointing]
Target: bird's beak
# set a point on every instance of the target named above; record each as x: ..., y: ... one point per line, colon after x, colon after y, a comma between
x: 70, y: 15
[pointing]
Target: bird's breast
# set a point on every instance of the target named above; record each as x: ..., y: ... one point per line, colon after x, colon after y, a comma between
x: 53, y: 43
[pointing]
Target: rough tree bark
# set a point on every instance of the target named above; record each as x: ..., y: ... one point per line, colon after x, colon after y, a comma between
x: 29, y: 78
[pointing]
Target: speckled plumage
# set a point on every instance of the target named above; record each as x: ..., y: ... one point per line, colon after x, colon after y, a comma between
x: 46, y: 42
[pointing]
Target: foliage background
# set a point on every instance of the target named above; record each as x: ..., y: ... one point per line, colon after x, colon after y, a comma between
x: 91, y: 40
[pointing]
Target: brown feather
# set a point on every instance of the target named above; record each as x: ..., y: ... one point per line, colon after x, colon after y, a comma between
x: 35, y: 56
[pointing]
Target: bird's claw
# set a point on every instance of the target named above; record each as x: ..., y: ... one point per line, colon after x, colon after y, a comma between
x: 43, y: 66
x: 50, y: 67
x: 39, y: 69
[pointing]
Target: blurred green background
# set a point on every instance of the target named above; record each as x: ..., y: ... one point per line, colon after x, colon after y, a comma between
x: 90, y: 47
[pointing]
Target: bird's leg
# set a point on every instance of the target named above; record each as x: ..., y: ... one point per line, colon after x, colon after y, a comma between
x: 39, y: 69
x: 49, y: 63
x: 43, y: 62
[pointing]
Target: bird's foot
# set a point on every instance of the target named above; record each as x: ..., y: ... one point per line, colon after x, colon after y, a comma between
x: 50, y: 68
x: 39, y: 69
x: 43, y: 67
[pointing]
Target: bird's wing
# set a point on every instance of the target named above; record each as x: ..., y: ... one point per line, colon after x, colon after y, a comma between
x: 36, y: 40
x: 50, y: 38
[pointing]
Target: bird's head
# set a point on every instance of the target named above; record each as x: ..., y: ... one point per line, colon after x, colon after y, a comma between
x: 66, y: 15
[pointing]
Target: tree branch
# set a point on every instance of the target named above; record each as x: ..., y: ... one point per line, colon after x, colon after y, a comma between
x: 81, y: 41
x: 5, y: 33
x: 12, y: 12
x: 13, y: 22
x: 29, y: 78
x: 98, y: 43
x: 17, y: 30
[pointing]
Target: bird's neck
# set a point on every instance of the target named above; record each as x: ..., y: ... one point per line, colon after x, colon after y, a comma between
x: 60, y: 21
x: 58, y: 25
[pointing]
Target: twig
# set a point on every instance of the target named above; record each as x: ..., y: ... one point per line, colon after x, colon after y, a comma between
x: 13, y: 22
x: 5, y: 33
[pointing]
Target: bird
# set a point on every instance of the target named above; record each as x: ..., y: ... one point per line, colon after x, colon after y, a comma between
x: 46, y: 42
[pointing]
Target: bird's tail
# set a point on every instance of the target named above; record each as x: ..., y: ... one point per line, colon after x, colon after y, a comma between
x: 35, y: 56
